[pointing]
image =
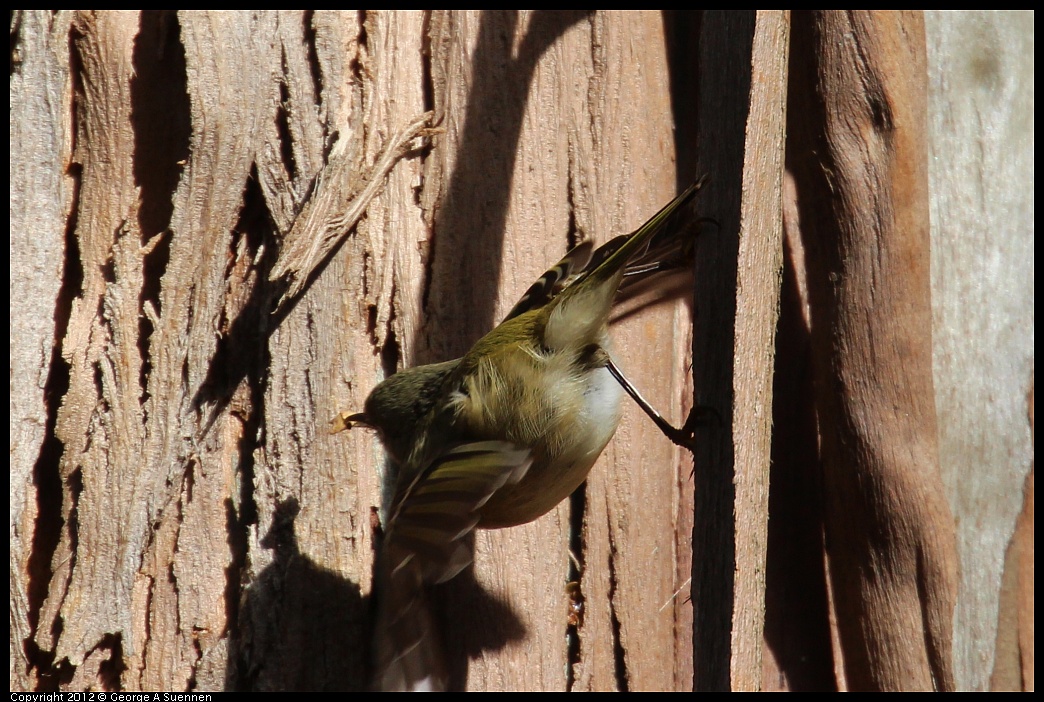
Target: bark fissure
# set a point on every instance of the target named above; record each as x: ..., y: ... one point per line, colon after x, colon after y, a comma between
x: 619, y: 652
x: 573, y: 228
x: 575, y: 581
x: 427, y: 81
x: 49, y: 522
x: 390, y: 349
x: 358, y: 63
x: 315, y: 70
x: 161, y: 131
x: 73, y: 490
x: 146, y: 639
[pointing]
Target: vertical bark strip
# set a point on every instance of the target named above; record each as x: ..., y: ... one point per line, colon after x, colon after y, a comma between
x: 859, y: 158
x: 97, y: 423
x: 725, y: 83
x: 742, y: 109
x: 41, y: 192
x: 759, y: 265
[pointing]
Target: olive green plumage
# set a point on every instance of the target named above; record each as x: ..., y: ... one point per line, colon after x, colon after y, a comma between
x: 500, y: 436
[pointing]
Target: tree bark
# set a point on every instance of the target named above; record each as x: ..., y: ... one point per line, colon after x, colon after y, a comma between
x: 190, y: 524
x: 742, y: 111
x: 858, y: 155
x: 227, y: 227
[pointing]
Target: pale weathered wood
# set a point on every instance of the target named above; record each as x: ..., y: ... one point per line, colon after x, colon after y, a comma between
x: 981, y: 172
x: 757, y: 307
x: 40, y: 202
x: 859, y: 159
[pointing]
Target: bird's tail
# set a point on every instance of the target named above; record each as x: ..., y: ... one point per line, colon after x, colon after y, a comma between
x: 650, y: 241
x: 408, y: 655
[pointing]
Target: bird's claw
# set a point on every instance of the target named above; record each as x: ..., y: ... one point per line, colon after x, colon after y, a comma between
x: 699, y: 416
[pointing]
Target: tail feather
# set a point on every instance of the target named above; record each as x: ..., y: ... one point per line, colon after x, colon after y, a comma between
x: 577, y: 317
x: 407, y: 651
x: 638, y: 242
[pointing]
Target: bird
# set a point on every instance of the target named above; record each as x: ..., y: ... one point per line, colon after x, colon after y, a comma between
x: 500, y: 436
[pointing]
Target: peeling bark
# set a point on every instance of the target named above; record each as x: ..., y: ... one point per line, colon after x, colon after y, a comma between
x: 182, y: 333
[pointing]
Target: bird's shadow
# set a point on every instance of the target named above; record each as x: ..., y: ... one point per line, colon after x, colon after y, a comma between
x: 473, y: 621
x: 300, y: 625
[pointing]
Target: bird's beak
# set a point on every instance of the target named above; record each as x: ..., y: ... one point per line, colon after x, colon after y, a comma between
x: 344, y: 421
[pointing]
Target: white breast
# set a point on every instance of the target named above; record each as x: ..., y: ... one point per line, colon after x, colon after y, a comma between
x: 602, y: 408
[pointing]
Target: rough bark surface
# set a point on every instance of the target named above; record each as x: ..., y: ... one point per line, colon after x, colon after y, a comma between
x: 189, y: 523
x: 227, y: 227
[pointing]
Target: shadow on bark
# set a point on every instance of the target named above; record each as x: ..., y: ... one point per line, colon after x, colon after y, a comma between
x: 796, y: 607
x: 301, y: 626
x: 469, y: 226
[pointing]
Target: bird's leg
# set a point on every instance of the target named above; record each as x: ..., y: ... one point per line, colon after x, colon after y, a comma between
x: 684, y: 437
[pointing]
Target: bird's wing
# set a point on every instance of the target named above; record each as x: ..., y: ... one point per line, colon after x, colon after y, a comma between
x: 440, y: 506
x: 425, y: 544
x: 551, y: 283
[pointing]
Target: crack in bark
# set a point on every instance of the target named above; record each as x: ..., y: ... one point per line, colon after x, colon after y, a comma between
x: 356, y: 64
x: 573, y: 229
x: 48, y: 523
x: 282, y: 121
x: 429, y: 88
x: 577, y: 549
x: 63, y: 671
x: 391, y: 351
x: 315, y: 70
x: 146, y: 642
x: 160, y: 120
x: 578, y: 499
x: 427, y: 81
x: 619, y: 653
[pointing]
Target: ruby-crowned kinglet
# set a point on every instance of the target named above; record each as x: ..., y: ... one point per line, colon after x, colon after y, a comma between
x: 502, y: 435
